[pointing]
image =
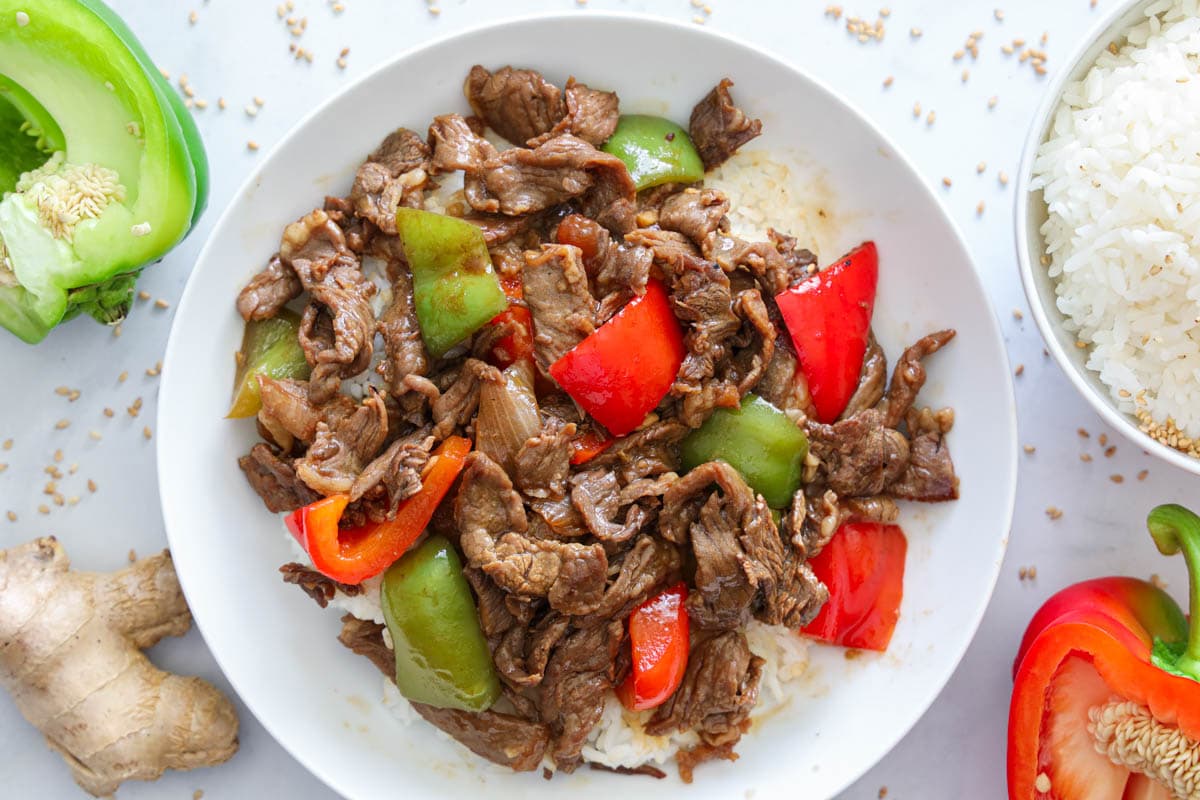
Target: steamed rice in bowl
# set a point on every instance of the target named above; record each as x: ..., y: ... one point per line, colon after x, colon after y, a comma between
x: 1120, y: 176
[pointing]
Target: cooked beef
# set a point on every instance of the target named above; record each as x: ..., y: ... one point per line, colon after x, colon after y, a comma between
x: 556, y: 291
x: 719, y: 689
x: 555, y: 518
x: 718, y: 127
x: 649, y: 564
x: 687, y: 760
x: 491, y: 521
x: 339, y: 451
x: 909, y: 376
x: 518, y: 104
x: 503, y: 739
x: 643, y: 488
x: 522, y: 654
x: 798, y: 262
x: 358, y: 232
x: 338, y: 326
x: 650, y: 451
x: 783, y: 384
x: 397, y: 469
x: 595, y: 494
x: 742, y: 565
x: 394, y: 175
x: 522, y: 181
x: 871, y: 383
x: 542, y: 463
x: 750, y: 360
x: 872, y: 509
x: 288, y: 411
x: 668, y: 248
x: 456, y: 146
x: 498, y: 229
x: 454, y: 408
x: 365, y: 638
x: 317, y: 586
x: 813, y: 522
x: 694, y: 212
x: 623, y: 274
x: 701, y: 295
x: 269, y: 291
x: 274, y: 480
x: 648, y: 770
x: 579, y: 674
x: 591, y: 115
x: 860, y: 456
x: 401, y: 332
x: 494, y: 615
x: 929, y: 475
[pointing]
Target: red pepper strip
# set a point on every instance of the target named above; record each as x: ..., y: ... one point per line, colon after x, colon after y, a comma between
x: 351, y: 555
x: 621, y: 372
x: 1091, y: 642
x: 588, y: 445
x: 863, y: 568
x: 517, y: 345
x: 828, y: 317
x: 658, y: 636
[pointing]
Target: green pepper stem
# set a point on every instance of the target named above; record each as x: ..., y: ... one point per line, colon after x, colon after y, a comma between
x: 1175, y: 528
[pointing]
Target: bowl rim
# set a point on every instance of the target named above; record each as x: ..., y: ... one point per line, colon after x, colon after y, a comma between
x: 1025, y: 238
x: 1009, y: 471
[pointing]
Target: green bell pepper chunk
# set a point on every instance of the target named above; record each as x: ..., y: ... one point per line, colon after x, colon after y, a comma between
x: 455, y: 290
x: 270, y: 347
x: 442, y: 657
x: 756, y: 439
x: 655, y: 150
x: 121, y: 186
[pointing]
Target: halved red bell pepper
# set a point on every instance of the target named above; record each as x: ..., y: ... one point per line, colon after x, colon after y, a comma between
x: 351, y: 555
x: 829, y: 317
x: 621, y: 372
x: 1106, y: 658
x: 518, y: 345
x: 658, y: 636
x: 863, y: 568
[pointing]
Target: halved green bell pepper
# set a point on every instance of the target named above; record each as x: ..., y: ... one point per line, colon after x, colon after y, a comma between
x: 655, y: 151
x: 756, y: 439
x: 455, y: 290
x: 442, y: 657
x: 126, y: 178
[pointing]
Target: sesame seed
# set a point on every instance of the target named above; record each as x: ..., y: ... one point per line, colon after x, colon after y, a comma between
x: 251, y: 111
x: 1053, y: 512
x: 915, y: 33
x: 345, y: 52
x: 1157, y: 581
x: 73, y: 500
x: 1017, y: 315
x: 1030, y: 449
x: 58, y: 456
x: 1045, y: 259
x: 1117, y: 478
x: 1083, y: 432
x: 1085, y: 458
x: 1007, y: 49
x: 108, y: 412
x: 341, y: 62
x: 1042, y: 784
x: 3, y: 466
x: 193, y: 17
x: 885, y: 12
x: 998, y: 14
x: 1021, y: 573
x: 62, y: 424
x: 221, y: 104
x: 1002, y: 177
x: 916, y: 110
x: 958, y: 54
x: 258, y: 101
x: 91, y: 484
x: 931, y: 118
x: 143, y: 295
x: 252, y: 145
x: 146, y: 432
x: 123, y: 376
x: 980, y: 167
x: 73, y: 469
x: 966, y: 73
x: 62, y: 391
x: 882, y: 792
x: 22, y: 19
x: 201, y: 104
x: 946, y: 182
x: 1032, y: 572
x: 992, y: 101
x: 12, y: 516
x: 1141, y: 476
x: 8, y: 444
x: 888, y: 81
x: 1082, y: 345
x: 1110, y: 451
x: 117, y: 331
x: 1102, y: 439
x: 95, y: 435
x: 43, y: 509
x: 1020, y: 370
x: 979, y: 209
x: 434, y: 10
x: 160, y: 303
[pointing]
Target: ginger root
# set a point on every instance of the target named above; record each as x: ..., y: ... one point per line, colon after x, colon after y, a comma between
x: 71, y: 656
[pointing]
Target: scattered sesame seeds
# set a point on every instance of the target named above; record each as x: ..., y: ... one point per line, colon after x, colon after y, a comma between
x: 1141, y: 476
x: 95, y: 435
x: 888, y: 81
x: 998, y: 14
x: 882, y: 792
x: 1002, y: 177
x: 43, y: 509
x: 12, y: 516
x: 123, y: 376
x: 58, y: 456
x: 1117, y: 478
x: 91, y: 484
x: 1020, y: 370
x: 915, y: 33
x: 1085, y: 458
x: 146, y: 432
x: 1102, y: 439
x: 931, y: 118
x: 958, y: 54
x: 946, y: 182
x: 916, y: 110
x: 1030, y: 449
x: 1167, y: 433
x: 1032, y: 573
x: 979, y: 209
x: 221, y: 104
x: 251, y: 145
x: 201, y: 104
x: 62, y: 391
x: 117, y: 331
x: 193, y: 18
x: 1083, y: 432
x: 992, y: 101
x: 8, y: 444
x: 22, y: 19
x: 1017, y: 314
x: 62, y: 424
x: 1042, y: 783
x: 108, y: 412
x: 160, y: 303
x: 135, y: 408
x: 1054, y: 512
x: 1110, y: 451
x: 1022, y: 573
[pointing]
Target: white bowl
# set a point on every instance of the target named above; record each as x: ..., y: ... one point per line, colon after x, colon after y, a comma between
x: 1031, y: 214
x: 278, y: 649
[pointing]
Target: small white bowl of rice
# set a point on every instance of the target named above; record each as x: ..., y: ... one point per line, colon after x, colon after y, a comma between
x: 1107, y: 220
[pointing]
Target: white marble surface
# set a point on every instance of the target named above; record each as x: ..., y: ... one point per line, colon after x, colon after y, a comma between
x: 239, y: 50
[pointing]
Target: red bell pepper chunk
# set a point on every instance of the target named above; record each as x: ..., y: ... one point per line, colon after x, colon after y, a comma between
x: 1096, y: 641
x: 588, y: 445
x: 622, y: 371
x: 863, y: 568
x: 658, y: 636
x: 517, y: 345
x: 828, y: 317
x: 351, y: 555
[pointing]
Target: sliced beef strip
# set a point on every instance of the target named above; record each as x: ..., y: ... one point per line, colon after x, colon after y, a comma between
x: 542, y: 463
x: 623, y: 274
x: 269, y: 291
x: 339, y: 452
x: 401, y: 332
x: 338, y: 327
x: 503, y: 739
x: 596, y: 495
x: 872, y: 509
x: 694, y: 212
x: 358, y: 231
x: 742, y: 565
x: 909, y: 376
x: 652, y: 450
x: 457, y: 146
x: 274, y: 480
x: 871, y: 382
x: 287, y: 409
x: 644, y: 488
x: 317, y: 586
x: 591, y: 115
x: 454, y: 408
x: 491, y: 522
x: 647, y: 565
x: 579, y: 674
x: 498, y: 229
x: 394, y: 175
x: 666, y: 247
x: 522, y: 181
x: 522, y: 654
x: 799, y: 262
x: 718, y: 127
x: 701, y: 295
x: 519, y: 104
x: 860, y: 456
x: 494, y: 616
x: 929, y: 475
x: 783, y: 384
x: 556, y: 291
x: 557, y: 519
x: 718, y: 692
x: 750, y: 360
x: 397, y: 469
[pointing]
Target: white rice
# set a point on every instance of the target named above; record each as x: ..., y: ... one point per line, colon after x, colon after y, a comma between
x: 763, y: 193
x: 1120, y: 174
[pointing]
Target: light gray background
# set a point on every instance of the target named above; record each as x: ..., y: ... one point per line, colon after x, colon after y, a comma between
x: 239, y: 50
